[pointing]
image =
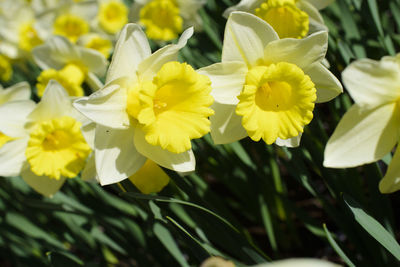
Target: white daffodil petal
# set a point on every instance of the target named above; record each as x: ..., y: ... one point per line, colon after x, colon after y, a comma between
x: 391, y: 181
x: 301, y: 52
x: 132, y: 48
x: 12, y: 157
x: 245, y: 38
x: 182, y: 162
x: 106, y: 107
x: 19, y: 91
x: 244, y: 5
x: 13, y: 116
x: 149, y: 67
x: 372, y: 82
x: 115, y: 155
x: 94, y: 61
x: 55, y: 102
x: 55, y: 53
x: 227, y: 79
x: 363, y: 136
x: 291, y: 142
x: 42, y: 184
x: 226, y: 126
x: 327, y: 85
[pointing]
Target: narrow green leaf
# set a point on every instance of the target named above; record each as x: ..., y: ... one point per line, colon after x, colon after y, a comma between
x: 169, y: 243
x: 373, y: 7
x: 373, y: 227
x: 173, y: 200
x: 336, y: 247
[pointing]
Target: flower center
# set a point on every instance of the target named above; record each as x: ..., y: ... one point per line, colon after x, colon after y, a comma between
x: 70, y: 77
x: 285, y: 17
x: 174, y: 107
x: 161, y: 19
x: 57, y: 148
x: 276, y: 101
x: 113, y: 16
x: 70, y: 26
x: 28, y: 37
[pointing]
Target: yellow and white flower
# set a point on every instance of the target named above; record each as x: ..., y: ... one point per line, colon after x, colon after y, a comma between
x: 69, y: 64
x: 18, y: 29
x: 151, y: 107
x: 48, y: 145
x: 70, y: 20
x: 266, y: 87
x: 164, y: 20
x: 370, y: 129
x: 289, y: 18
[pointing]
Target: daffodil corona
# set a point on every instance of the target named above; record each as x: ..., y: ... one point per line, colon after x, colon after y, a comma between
x: 151, y: 107
x: 266, y: 87
x: 289, y: 18
x: 164, y: 20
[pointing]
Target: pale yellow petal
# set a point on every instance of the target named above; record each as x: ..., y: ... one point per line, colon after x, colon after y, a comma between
x: 363, y: 136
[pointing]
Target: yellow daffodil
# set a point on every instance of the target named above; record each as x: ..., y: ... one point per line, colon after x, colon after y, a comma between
x: 112, y: 16
x: 151, y: 107
x: 69, y: 64
x: 48, y: 144
x: 68, y: 19
x: 289, y: 18
x: 266, y: 87
x: 164, y: 20
x: 18, y: 29
x: 371, y: 127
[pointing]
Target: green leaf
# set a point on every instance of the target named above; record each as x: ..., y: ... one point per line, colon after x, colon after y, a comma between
x: 63, y: 259
x: 169, y: 243
x: 373, y: 227
x: 336, y: 247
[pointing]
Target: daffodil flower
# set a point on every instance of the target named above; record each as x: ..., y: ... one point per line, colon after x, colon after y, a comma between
x: 69, y: 64
x: 48, y: 144
x: 289, y: 18
x: 68, y: 19
x: 266, y: 87
x: 371, y: 127
x: 18, y: 29
x: 112, y: 15
x: 164, y: 20
x: 151, y: 107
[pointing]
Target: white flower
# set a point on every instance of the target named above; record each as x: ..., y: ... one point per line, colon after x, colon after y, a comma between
x: 371, y: 127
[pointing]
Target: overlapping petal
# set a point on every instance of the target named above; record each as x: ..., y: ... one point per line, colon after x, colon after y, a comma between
x: 245, y: 38
x: 363, y: 136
